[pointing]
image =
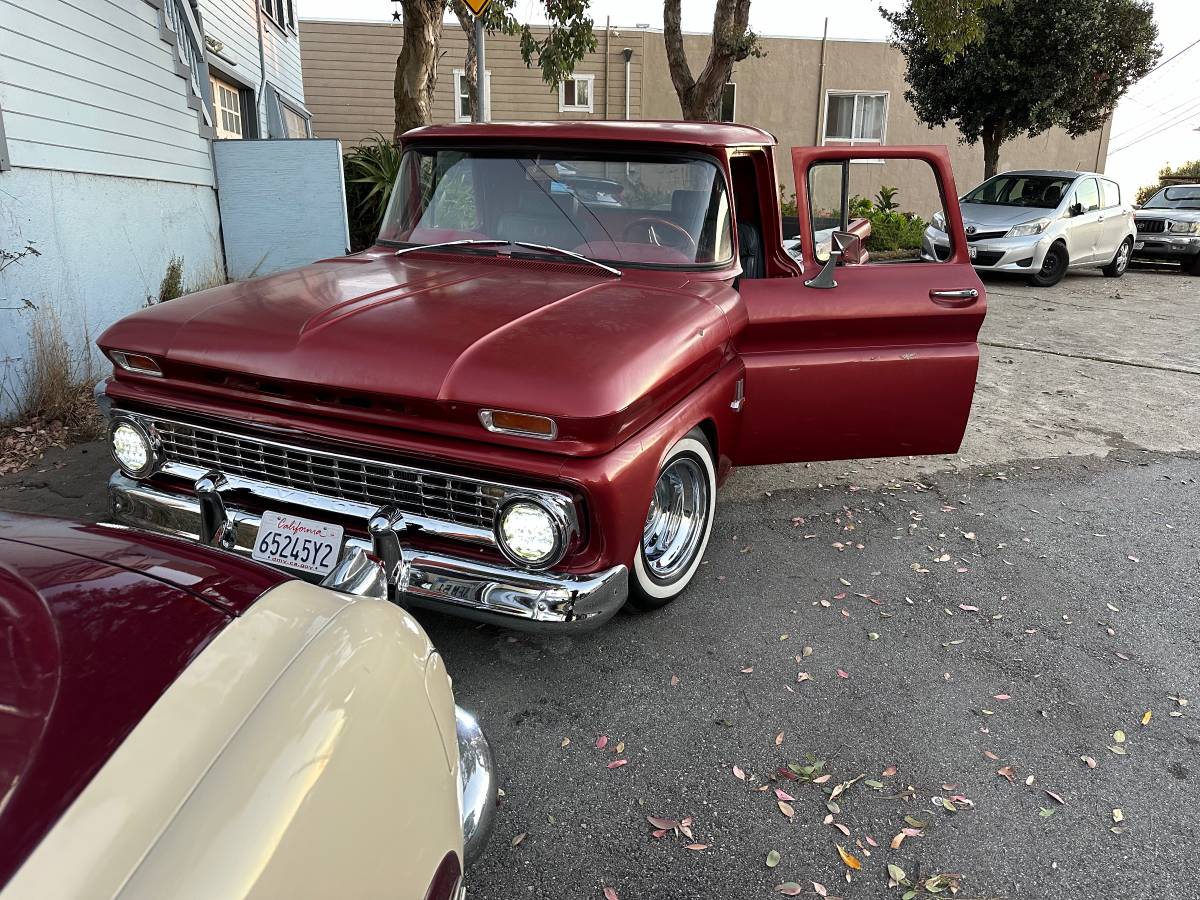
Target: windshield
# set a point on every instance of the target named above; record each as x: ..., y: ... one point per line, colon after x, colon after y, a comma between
x: 1175, y: 198
x: 653, y: 210
x: 1016, y: 189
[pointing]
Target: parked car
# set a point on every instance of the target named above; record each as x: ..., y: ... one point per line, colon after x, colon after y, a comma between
x: 1041, y: 224
x: 1168, y: 227
x: 179, y: 721
x: 522, y: 404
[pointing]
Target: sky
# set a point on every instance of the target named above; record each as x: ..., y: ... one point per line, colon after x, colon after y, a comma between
x: 1157, y: 123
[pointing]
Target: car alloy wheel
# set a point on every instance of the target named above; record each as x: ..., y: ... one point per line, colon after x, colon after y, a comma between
x: 1120, y: 262
x: 677, y: 525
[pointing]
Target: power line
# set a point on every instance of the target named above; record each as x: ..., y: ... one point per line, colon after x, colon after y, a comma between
x: 1167, y: 127
x: 1176, y: 56
x: 1161, y: 112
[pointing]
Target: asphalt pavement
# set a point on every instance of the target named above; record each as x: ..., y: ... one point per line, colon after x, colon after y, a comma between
x: 956, y: 640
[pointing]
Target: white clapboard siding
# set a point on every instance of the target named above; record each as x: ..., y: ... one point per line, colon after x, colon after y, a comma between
x: 91, y: 86
x: 235, y: 24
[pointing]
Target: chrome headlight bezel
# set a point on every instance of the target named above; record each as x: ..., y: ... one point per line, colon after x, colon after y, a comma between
x: 1028, y: 229
x: 1183, y: 228
x: 147, y: 440
x: 560, y: 522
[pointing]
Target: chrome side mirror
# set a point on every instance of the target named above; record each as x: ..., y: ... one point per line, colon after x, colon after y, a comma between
x: 846, y: 248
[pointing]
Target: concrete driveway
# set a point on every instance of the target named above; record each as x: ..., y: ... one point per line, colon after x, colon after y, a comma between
x: 956, y: 640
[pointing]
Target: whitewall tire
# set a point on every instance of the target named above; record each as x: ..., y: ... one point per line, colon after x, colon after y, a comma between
x: 678, y: 524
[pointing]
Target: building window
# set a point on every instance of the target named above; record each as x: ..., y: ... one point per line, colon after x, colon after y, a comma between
x: 462, y: 94
x: 853, y: 117
x: 227, y: 106
x: 295, y: 125
x: 729, y: 102
x: 575, y: 94
x: 281, y: 12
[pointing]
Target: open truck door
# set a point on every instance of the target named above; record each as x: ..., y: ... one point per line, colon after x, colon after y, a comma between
x: 863, y: 355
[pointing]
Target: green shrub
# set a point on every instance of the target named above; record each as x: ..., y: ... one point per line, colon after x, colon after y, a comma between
x: 371, y: 169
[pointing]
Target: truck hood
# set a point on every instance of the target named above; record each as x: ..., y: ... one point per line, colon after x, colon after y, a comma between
x: 451, y: 329
x: 1170, y: 215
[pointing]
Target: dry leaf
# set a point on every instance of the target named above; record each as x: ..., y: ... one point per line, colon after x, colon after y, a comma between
x: 1001, y: 697
x: 842, y: 828
x: 779, y: 739
x: 601, y: 742
x: 747, y: 670
x: 1119, y: 736
x: 897, y: 840
x: 1091, y: 763
x: 843, y: 674
x: 819, y: 889
x: 889, y: 771
x: 696, y: 847
x: 610, y: 894
x: 1055, y: 797
x: 786, y: 808
x: 772, y: 859
x: 674, y: 681
x: 617, y: 763
x: 518, y: 838
x: 789, y: 889
x: 1146, y: 717
x: 1007, y: 771
x: 664, y: 824
x: 821, y: 779
x: 848, y: 858
x: 620, y: 747
x: 1118, y: 816
x: 566, y: 742
x: 739, y: 774
x: 784, y: 795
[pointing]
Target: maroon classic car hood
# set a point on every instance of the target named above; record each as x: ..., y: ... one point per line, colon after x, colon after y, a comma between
x: 446, y: 327
x: 95, y: 624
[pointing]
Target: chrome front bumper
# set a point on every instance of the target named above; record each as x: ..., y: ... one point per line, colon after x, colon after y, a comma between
x: 477, y: 784
x: 499, y: 594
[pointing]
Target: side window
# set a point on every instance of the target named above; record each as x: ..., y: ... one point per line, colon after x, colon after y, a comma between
x: 893, y: 205
x: 1110, y: 192
x: 1087, y: 195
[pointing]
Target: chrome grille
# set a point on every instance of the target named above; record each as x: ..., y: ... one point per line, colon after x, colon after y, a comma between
x: 462, y: 501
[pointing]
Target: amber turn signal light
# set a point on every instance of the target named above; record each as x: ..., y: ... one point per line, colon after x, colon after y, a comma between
x: 136, y: 362
x: 522, y: 424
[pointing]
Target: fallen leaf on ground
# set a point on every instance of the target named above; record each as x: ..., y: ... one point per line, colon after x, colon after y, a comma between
x: 747, y: 670
x: 739, y: 774
x: 803, y: 676
x: 1046, y: 812
x: 518, y: 838
x: 821, y: 779
x: 1118, y: 816
x: 784, y: 795
x: 772, y: 859
x: 843, y: 674
x: 566, y: 742
x: 1146, y: 717
x: 819, y: 889
x: 674, y: 681
x: 696, y: 847
x: 610, y: 894
x: 1001, y: 697
x: 779, y: 739
x: 617, y: 763
x: 1089, y: 761
x: 966, y: 607
x: 1006, y: 771
x: 897, y: 840
x: 848, y: 858
x: 786, y: 809
x: 896, y: 873
x: 601, y: 742
x: 889, y: 771
x: 661, y: 823
x: 789, y: 889
x: 1054, y: 796
x: 1119, y: 736
x: 990, y: 755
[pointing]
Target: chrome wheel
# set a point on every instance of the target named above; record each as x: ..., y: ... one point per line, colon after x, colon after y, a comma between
x: 677, y: 519
x: 1123, y: 257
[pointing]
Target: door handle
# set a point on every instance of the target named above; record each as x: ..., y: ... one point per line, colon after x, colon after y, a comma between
x: 961, y: 297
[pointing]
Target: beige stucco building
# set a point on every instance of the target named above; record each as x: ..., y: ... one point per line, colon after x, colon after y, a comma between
x: 804, y: 91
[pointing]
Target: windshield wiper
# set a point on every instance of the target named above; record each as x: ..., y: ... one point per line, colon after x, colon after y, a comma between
x: 570, y: 254
x: 493, y: 242
x: 464, y: 242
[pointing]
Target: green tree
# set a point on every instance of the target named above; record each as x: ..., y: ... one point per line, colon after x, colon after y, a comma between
x: 568, y: 37
x: 1166, y: 175
x: 732, y: 41
x: 952, y: 25
x: 1038, y: 64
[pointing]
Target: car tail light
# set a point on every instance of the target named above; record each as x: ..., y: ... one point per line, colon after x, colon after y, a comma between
x: 446, y: 880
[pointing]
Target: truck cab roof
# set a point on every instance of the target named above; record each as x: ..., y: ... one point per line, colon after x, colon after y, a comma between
x: 695, y: 134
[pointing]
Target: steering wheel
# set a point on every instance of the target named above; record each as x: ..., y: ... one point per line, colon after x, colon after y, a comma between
x: 683, y: 240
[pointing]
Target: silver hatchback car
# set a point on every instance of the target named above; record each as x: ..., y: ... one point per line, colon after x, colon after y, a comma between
x: 1039, y: 224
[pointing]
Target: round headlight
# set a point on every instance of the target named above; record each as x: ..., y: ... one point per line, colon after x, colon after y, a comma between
x: 131, y: 448
x: 529, y: 534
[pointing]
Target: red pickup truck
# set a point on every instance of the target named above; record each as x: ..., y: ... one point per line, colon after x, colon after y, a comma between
x: 519, y: 403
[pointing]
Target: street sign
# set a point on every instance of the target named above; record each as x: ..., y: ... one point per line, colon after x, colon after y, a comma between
x: 477, y: 6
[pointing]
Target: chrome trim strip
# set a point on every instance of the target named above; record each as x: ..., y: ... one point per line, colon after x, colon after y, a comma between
x: 477, y: 785
x: 488, y: 592
x: 486, y: 419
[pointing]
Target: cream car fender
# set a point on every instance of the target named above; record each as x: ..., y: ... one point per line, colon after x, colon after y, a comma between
x: 298, y: 755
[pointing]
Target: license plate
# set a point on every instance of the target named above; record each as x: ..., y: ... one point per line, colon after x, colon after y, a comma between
x: 1138, y: 245
x: 296, y: 543
x: 971, y: 251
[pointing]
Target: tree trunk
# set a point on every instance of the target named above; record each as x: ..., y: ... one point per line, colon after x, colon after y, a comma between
x: 992, y: 139
x: 416, y: 66
x: 471, y: 64
x: 700, y: 98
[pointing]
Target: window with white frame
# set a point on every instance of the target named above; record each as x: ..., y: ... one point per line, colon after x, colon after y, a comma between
x: 462, y: 94
x: 855, y: 117
x: 575, y: 94
x: 729, y: 102
x: 281, y: 12
x: 229, y: 107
